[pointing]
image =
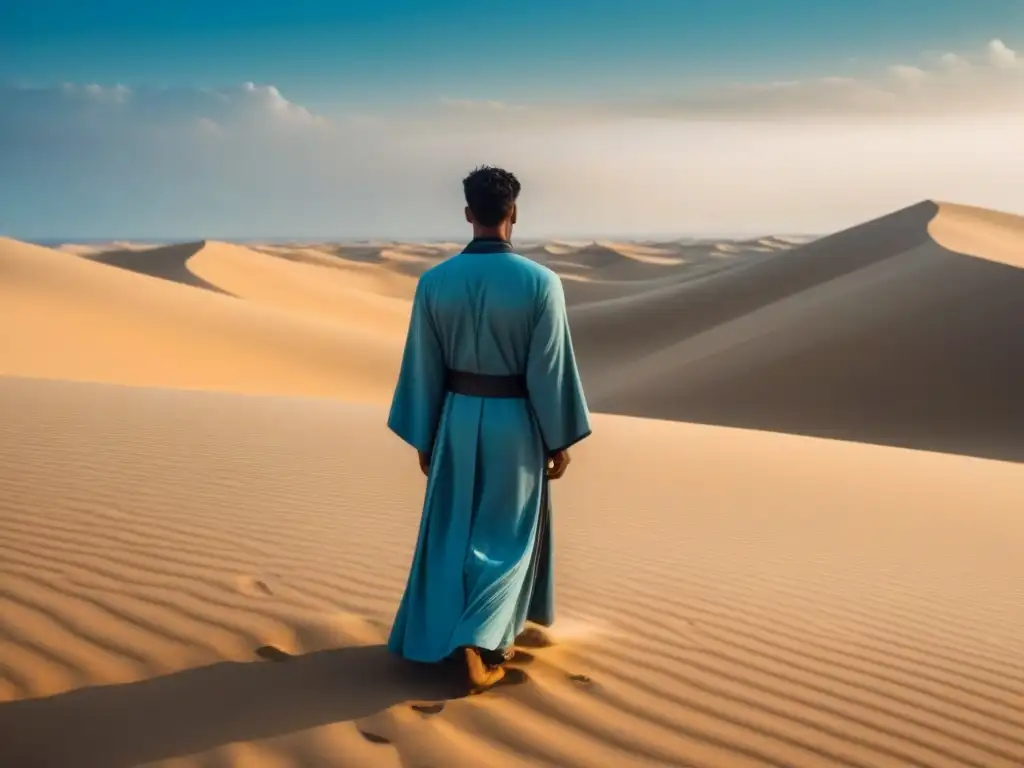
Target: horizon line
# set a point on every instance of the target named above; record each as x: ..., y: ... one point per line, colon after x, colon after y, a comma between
x: 287, y: 239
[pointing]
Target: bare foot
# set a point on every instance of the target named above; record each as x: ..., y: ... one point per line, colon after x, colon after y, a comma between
x: 480, y: 675
x: 497, y: 658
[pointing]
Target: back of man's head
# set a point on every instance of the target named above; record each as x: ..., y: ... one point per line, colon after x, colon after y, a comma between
x: 491, y: 194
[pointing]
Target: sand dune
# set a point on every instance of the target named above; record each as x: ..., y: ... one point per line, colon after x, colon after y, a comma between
x: 202, y: 578
x: 597, y: 272
x: 882, y: 333
x: 69, y: 317
x: 304, y: 288
x: 374, y: 301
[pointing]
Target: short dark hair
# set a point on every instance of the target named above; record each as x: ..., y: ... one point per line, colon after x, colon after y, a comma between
x: 491, y: 194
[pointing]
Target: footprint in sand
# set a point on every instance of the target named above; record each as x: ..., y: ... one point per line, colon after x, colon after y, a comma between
x: 272, y: 653
x: 374, y: 738
x: 513, y: 676
x: 583, y: 680
x: 533, y: 637
x: 429, y: 709
x: 250, y: 585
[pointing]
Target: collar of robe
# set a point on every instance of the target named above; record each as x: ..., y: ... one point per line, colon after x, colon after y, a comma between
x: 488, y: 245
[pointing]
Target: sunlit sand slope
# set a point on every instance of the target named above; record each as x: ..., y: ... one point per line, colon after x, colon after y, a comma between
x: 68, y: 317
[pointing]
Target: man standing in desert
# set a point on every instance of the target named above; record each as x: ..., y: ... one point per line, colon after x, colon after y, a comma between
x: 490, y: 397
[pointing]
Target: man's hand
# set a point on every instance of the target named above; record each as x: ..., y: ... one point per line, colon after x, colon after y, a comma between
x: 558, y: 462
x: 425, y: 463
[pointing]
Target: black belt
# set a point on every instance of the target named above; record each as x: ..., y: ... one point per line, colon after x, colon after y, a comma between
x: 485, y: 385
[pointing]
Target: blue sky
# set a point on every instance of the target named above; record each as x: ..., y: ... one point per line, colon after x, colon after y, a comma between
x: 329, y: 51
x: 361, y: 116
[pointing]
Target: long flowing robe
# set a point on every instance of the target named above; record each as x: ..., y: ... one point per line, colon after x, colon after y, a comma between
x: 483, y: 563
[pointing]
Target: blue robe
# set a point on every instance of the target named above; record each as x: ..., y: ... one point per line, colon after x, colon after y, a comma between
x: 483, y: 563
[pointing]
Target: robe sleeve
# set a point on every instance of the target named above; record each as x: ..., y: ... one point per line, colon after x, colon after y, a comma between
x: 553, y: 380
x: 419, y: 394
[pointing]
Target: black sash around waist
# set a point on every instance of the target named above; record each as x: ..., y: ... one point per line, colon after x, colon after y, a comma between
x: 485, y: 385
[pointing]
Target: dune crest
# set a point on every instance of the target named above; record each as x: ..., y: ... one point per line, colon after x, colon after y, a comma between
x: 978, y: 232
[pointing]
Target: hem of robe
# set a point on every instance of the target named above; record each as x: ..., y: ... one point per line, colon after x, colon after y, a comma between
x: 569, y: 445
x: 541, y: 605
x: 538, y: 588
x: 407, y: 440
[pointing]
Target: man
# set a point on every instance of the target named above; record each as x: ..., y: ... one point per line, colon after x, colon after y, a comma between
x: 490, y: 397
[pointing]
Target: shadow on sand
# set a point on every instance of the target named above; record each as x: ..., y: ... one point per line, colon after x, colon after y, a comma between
x: 115, y: 726
x: 168, y: 262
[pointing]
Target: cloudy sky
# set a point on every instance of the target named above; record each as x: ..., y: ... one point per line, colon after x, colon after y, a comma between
x: 344, y: 119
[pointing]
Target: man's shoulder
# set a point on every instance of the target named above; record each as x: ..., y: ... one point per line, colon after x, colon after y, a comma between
x: 544, y: 275
x: 432, y: 273
x: 546, y: 281
x: 534, y: 273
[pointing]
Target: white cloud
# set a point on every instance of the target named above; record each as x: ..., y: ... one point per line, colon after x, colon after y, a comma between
x: 1000, y: 56
x: 951, y: 84
x: 955, y: 63
x: 820, y: 95
x: 246, y: 108
x: 240, y: 134
x: 481, y: 105
x: 99, y: 94
x: 954, y: 85
x: 269, y: 97
x: 210, y: 128
x: 907, y: 74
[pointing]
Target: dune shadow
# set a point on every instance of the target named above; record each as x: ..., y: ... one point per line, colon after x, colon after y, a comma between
x: 195, y: 710
x: 943, y: 374
x: 169, y: 262
x: 599, y: 295
x: 661, y: 318
x: 927, y: 355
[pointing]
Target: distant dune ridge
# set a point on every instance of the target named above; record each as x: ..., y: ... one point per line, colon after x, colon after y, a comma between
x: 206, y: 527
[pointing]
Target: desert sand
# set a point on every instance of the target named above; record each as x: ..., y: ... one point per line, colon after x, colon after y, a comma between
x: 793, y: 540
